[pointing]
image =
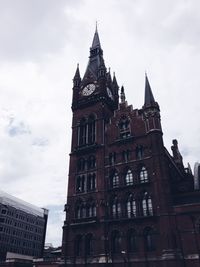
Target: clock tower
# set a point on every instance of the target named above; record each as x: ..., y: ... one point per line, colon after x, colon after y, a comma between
x: 127, y: 196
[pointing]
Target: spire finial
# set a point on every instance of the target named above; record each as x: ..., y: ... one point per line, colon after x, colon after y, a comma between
x: 96, y: 29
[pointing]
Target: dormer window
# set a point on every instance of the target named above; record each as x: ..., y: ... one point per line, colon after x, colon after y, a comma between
x: 124, y: 128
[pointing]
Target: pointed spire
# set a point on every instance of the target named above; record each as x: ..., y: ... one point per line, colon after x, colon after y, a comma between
x: 109, y: 79
x: 95, y: 58
x: 96, y: 40
x: 77, y: 77
x: 122, y: 95
x: 115, y: 84
x: 77, y: 73
x: 149, y: 98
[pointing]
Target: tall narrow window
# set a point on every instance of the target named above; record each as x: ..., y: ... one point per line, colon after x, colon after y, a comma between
x: 129, y: 177
x: 112, y: 158
x: 132, y: 240
x: 126, y: 155
x: 81, y: 164
x: 80, y: 184
x: 78, y: 245
x: 116, y: 242
x: 131, y: 206
x: 82, y: 132
x: 139, y: 152
x: 91, y: 130
x: 143, y: 175
x: 91, y: 162
x: 147, y: 207
x: 149, y: 239
x: 91, y: 209
x: 91, y: 182
x: 115, y: 208
x: 114, y: 180
x: 88, y: 244
x: 124, y: 128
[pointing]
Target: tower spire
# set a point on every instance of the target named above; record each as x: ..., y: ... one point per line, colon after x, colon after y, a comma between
x: 96, y: 40
x: 122, y: 95
x: 149, y: 98
x: 95, y: 58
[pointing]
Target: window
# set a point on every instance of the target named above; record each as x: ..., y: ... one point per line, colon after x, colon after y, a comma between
x: 124, y: 128
x: 147, y: 207
x: 80, y: 210
x: 91, y: 162
x: 91, y: 210
x: 115, y: 208
x: 149, y: 239
x: 139, y: 152
x: 91, y: 182
x: 143, y: 175
x: 131, y: 206
x: 78, y: 245
x: 86, y: 131
x: 112, y: 158
x: 91, y: 130
x: 116, y: 242
x: 88, y: 244
x: 80, y: 184
x: 81, y: 164
x: 82, y: 132
x: 126, y: 155
x: 115, y: 180
x: 132, y: 240
x: 129, y: 177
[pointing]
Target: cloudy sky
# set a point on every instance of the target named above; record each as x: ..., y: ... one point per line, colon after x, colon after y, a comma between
x: 41, y: 42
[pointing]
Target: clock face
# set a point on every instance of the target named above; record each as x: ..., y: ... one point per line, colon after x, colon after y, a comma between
x: 88, y: 89
x: 109, y: 93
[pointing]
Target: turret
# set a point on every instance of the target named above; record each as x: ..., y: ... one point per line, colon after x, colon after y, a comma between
x: 151, y: 109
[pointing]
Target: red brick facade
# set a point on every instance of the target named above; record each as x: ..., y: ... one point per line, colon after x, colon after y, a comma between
x: 129, y: 203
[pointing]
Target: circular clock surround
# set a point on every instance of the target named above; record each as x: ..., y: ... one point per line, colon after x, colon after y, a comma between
x: 88, y: 89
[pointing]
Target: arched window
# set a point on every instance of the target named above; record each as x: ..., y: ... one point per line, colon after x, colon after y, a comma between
x: 147, y: 207
x: 78, y: 243
x: 116, y: 242
x: 129, y: 177
x: 87, y: 131
x: 132, y: 240
x: 143, y: 175
x: 91, y: 162
x: 78, y: 209
x: 80, y: 184
x: 81, y: 164
x: 124, y: 128
x: 115, y: 208
x: 91, y: 209
x: 139, y: 152
x: 82, y: 132
x: 131, y: 206
x: 91, y: 182
x: 149, y: 239
x: 88, y: 244
x: 115, y: 179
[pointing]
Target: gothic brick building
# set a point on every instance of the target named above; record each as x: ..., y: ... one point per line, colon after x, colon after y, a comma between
x: 130, y: 202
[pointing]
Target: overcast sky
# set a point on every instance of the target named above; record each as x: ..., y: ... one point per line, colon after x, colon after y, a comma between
x: 41, y: 42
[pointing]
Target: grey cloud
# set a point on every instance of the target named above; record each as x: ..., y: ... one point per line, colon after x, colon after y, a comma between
x: 17, y: 128
x: 32, y: 29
